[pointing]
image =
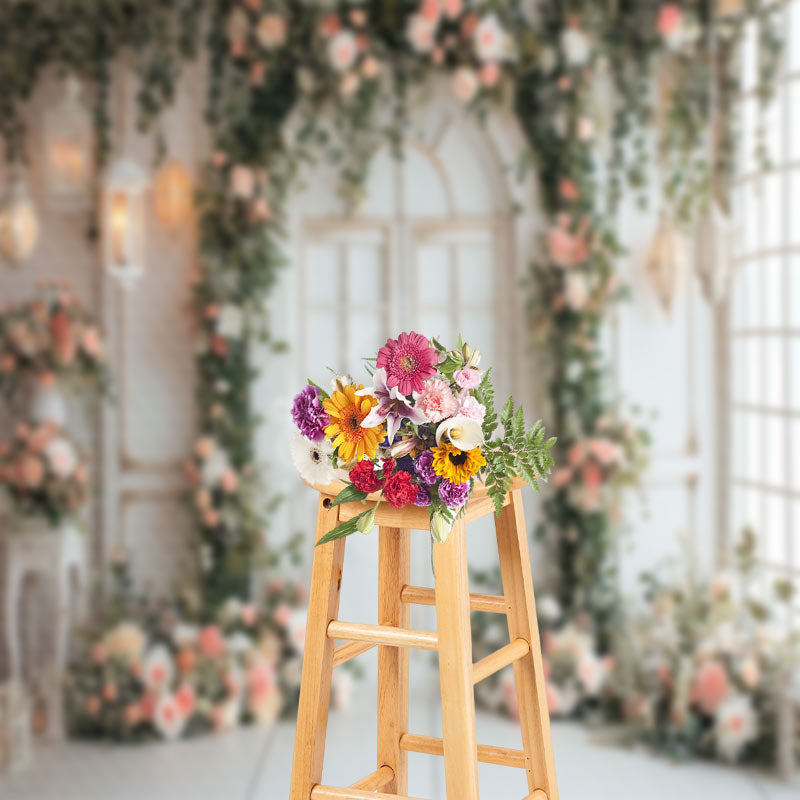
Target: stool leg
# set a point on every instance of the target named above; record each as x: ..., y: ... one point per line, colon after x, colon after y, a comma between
x: 455, y: 666
x: 315, y: 686
x: 512, y: 543
x: 393, y: 574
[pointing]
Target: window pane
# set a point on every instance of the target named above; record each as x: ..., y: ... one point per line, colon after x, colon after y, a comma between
x: 774, y: 451
x: 772, y: 283
x: 773, y: 539
x: 366, y: 273
x: 323, y: 277
x: 774, y: 390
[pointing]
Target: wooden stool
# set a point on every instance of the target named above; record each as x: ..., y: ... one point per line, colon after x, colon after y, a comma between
x: 453, y: 642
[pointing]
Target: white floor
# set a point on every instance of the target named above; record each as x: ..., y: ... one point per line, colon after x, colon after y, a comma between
x: 255, y: 764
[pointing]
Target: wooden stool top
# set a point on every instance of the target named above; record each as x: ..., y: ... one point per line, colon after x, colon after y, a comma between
x: 415, y: 517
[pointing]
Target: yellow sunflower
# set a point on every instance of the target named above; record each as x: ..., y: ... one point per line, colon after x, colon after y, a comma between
x: 346, y: 412
x: 457, y: 466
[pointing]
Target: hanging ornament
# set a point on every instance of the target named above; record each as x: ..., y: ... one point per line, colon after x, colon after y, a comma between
x: 124, y: 216
x: 68, y: 142
x: 19, y: 226
x: 713, y: 253
x: 173, y: 194
x: 667, y: 262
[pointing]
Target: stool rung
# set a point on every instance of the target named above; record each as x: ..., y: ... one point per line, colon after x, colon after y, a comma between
x: 332, y: 793
x: 477, y: 602
x: 382, y: 634
x: 512, y: 652
x: 344, y: 652
x: 376, y: 780
x: 503, y: 756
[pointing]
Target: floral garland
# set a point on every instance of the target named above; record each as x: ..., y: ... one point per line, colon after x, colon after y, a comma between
x: 151, y: 671
x: 693, y: 674
x: 269, y: 58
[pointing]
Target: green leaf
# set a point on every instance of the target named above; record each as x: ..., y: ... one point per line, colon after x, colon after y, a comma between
x: 344, y: 529
x: 348, y: 495
x: 317, y: 386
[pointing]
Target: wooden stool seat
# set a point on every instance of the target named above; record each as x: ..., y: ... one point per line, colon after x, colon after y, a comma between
x: 452, y: 640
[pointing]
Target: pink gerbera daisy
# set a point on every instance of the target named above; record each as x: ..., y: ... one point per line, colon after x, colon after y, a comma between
x: 409, y: 360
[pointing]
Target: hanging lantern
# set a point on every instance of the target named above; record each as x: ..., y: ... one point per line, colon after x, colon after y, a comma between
x: 173, y: 194
x: 124, y: 221
x: 713, y: 253
x: 667, y: 262
x: 19, y: 226
x: 68, y: 140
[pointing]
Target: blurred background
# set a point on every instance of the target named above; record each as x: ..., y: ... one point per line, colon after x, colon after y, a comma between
x: 206, y: 202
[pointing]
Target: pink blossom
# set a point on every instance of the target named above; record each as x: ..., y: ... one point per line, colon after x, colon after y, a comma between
x: 420, y: 33
x: 592, y: 475
x: 469, y: 407
x: 568, y: 190
x: 283, y: 613
x: 185, y: 699
x: 575, y: 454
x: 561, y: 477
x: 467, y: 378
x: 243, y: 181
x: 204, y: 447
x: 669, y: 19
x: 211, y: 641
x: 210, y: 518
x: 249, y: 614
x: 430, y: 11
x: 437, y: 400
x: 604, y: 450
x: 229, y: 481
x: 90, y: 342
x: 219, y: 158
x: 342, y: 50
x: 330, y: 25
x: 261, y: 679
x: 489, y: 74
x: 566, y: 249
x: 452, y: 8
x: 710, y: 686
x: 358, y: 17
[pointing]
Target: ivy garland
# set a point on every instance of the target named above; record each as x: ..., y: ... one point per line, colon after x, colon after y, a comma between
x: 347, y: 75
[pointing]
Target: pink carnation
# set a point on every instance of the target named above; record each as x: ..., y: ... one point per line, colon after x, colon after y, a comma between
x: 467, y: 378
x: 469, y: 407
x: 437, y: 400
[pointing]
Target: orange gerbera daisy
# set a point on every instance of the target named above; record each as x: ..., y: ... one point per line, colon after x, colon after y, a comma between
x: 346, y: 411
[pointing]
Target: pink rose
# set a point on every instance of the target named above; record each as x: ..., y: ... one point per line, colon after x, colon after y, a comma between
x: 467, y: 378
x: 710, y: 686
x: 568, y: 190
x: 669, y: 18
x: 489, y: 74
x: 452, y: 8
x: 469, y: 407
x: 283, y: 614
x: 429, y: 10
x: 592, y: 475
x: 330, y: 25
x: 211, y: 641
x: 342, y: 50
x: 229, y: 481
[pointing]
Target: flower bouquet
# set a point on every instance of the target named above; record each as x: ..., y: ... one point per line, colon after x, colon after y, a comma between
x: 43, y: 472
x: 421, y: 434
x: 51, y: 336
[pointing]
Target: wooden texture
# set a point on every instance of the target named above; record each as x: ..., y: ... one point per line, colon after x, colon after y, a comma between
x: 375, y: 781
x: 537, y: 795
x: 455, y: 666
x: 332, y: 793
x: 499, y: 659
x: 512, y: 544
x: 315, y: 686
x: 382, y: 634
x: 344, y: 652
x: 504, y: 756
x: 394, y: 565
x: 477, y: 602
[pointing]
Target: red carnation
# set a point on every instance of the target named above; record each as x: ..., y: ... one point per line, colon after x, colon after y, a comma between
x: 387, y: 468
x: 399, y: 490
x: 364, y: 478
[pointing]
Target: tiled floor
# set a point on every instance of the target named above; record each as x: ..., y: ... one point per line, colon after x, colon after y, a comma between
x: 254, y: 764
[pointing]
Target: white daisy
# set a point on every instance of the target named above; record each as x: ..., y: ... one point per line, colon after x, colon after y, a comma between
x: 312, y: 459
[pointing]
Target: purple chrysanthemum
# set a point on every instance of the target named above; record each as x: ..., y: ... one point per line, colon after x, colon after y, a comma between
x: 423, y: 498
x: 453, y: 495
x: 423, y: 466
x: 309, y: 415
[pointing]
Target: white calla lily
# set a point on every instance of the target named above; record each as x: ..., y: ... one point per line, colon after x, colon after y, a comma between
x: 462, y: 432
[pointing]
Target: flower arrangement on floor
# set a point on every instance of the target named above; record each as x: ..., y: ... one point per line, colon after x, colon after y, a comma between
x: 43, y: 472
x: 420, y: 435
x: 155, y: 671
x: 53, y: 336
x: 696, y: 672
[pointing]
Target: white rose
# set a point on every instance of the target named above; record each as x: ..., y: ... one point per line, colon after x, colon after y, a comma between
x: 421, y: 33
x: 465, y: 84
x: 490, y: 39
x: 342, y: 50
x: 576, y: 46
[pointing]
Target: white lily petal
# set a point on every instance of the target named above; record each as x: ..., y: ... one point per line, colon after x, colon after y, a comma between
x: 373, y: 419
x: 392, y: 426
